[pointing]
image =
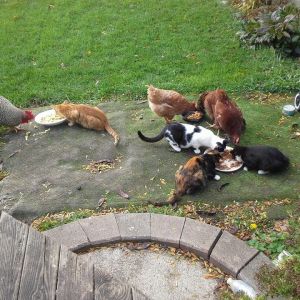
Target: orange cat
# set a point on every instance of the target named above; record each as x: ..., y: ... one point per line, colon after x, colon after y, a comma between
x: 87, y: 116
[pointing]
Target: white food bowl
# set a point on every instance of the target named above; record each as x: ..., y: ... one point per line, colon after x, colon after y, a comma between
x: 44, y: 118
x: 289, y: 110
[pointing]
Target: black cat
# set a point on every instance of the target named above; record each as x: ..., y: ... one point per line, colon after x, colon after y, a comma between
x: 263, y: 159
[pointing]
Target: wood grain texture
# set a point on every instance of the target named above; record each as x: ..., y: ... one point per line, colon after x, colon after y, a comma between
x: 109, y: 288
x: 75, y: 277
x: 32, y: 279
x: 52, y: 250
x: 13, y: 239
x: 38, y: 280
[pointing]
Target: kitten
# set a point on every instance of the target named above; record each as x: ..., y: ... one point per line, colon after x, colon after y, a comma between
x: 264, y: 159
x: 195, y: 174
x: 186, y: 136
x: 87, y: 116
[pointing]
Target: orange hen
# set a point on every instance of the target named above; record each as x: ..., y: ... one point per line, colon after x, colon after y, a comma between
x: 168, y: 103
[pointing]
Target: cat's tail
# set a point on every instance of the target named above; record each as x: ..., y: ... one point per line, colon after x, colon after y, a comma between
x: 112, y: 133
x: 173, y: 198
x: 153, y: 139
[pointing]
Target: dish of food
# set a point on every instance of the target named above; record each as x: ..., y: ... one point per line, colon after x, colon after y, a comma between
x: 227, y: 163
x: 193, y: 116
x: 49, y: 118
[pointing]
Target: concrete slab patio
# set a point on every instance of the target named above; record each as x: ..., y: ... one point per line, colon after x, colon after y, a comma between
x: 46, y: 167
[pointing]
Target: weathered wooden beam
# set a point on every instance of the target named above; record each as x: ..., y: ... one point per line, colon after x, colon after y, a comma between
x: 13, y: 239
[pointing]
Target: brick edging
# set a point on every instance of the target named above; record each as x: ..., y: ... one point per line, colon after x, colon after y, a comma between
x: 230, y: 254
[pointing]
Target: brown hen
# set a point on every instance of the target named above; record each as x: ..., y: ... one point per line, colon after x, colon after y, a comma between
x: 168, y: 103
x: 224, y: 113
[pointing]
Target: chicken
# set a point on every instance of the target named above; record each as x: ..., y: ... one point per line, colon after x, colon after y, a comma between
x: 168, y: 103
x: 12, y: 116
x: 224, y: 113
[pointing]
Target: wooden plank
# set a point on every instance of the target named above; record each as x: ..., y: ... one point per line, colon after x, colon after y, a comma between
x: 32, y: 281
x: 13, y: 239
x: 75, y: 277
x: 66, y: 273
x: 85, y: 277
x: 38, y: 280
x: 109, y: 288
x: 52, y: 250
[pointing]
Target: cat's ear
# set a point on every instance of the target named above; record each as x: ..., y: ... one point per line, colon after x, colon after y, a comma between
x: 219, y: 145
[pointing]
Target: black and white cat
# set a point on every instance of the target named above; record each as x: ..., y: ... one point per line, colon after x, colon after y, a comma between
x: 263, y: 159
x: 183, y: 136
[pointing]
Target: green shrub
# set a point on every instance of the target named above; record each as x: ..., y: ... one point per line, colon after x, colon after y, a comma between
x: 279, y: 28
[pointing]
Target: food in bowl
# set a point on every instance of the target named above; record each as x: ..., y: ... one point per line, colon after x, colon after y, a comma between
x: 49, y: 118
x: 193, y: 116
x: 227, y: 163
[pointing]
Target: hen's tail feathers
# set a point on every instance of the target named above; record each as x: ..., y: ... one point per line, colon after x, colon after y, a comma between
x: 200, y: 102
x: 153, y: 139
x: 150, y: 88
x: 112, y: 133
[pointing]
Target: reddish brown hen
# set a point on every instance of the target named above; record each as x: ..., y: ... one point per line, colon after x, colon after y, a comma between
x: 224, y: 113
x: 168, y: 103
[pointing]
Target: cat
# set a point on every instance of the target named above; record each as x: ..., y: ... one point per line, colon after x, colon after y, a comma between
x: 195, y: 174
x: 263, y: 159
x: 186, y: 136
x: 87, y: 116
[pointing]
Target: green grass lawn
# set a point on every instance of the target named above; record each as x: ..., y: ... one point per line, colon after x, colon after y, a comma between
x: 103, y: 50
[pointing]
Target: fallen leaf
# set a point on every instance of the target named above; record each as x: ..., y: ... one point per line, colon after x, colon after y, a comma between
x: 233, y: 230
x: 123, y: 194
x: 162, y: 181
x: 138, y: 246
x: 101, y: 202
x: 211, y: 276
x: 204, y: 213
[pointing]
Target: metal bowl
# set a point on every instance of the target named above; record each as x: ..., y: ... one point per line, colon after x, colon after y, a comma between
x: 193, y: 117
x: 289, y: 110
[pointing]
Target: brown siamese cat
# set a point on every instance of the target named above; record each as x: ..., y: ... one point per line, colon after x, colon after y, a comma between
x: 195, y: 174
x: 87, y: 116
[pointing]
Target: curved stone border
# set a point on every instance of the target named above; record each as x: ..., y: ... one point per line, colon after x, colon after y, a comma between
x: 230, y: 254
